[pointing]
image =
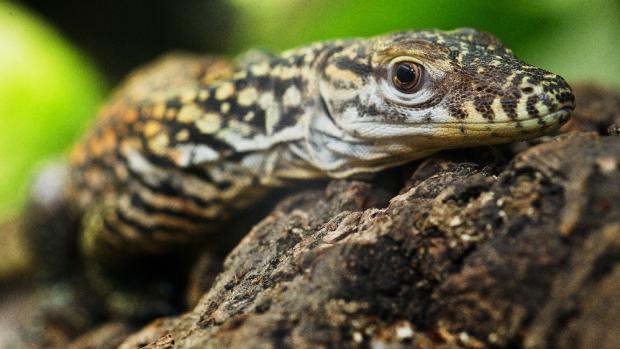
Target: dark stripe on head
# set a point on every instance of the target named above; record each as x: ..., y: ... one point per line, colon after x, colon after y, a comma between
x: 483, y: 106
x: 359, y: 68
x: 530, y: 106
x: 509, y: 105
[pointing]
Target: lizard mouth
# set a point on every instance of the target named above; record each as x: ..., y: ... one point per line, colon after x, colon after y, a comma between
x: 466, y: 131
x: 508, y: 130
x: 559, y: 116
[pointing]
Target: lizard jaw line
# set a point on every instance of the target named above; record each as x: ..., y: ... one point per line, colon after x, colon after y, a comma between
x: 505, y: 131
x: 561, y: 115
x: 554, y: 119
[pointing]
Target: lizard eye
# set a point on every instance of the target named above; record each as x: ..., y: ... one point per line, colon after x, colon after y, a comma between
x: 406, y: 76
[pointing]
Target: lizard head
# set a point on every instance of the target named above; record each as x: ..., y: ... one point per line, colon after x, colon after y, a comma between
x: 405, y: 95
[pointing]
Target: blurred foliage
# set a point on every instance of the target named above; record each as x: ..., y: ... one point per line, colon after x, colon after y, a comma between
x: 47, y: 91
x: 121, y: 34
x: 575, y: 38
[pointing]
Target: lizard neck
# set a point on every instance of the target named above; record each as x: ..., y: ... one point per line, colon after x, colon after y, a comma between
x: 266, y: 109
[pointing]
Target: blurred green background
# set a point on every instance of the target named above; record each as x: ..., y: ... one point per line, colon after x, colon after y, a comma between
x: 59, y: 59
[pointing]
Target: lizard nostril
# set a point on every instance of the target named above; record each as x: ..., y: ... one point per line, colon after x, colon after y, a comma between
x: 527, y: 90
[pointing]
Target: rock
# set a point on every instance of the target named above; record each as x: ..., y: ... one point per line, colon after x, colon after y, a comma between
x: 473, y: 252
x: 598, y: 109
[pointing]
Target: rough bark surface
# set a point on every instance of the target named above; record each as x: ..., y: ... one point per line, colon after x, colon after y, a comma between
x: 477, y: 250
x: 515, y: 246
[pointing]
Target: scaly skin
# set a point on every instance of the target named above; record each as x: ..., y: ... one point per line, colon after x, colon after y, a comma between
x: 188, y: 141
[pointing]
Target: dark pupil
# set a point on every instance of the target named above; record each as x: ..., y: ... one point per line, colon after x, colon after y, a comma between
x: 405, y: 73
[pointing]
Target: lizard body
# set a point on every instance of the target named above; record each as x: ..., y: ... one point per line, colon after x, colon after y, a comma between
x: 189, y: 140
